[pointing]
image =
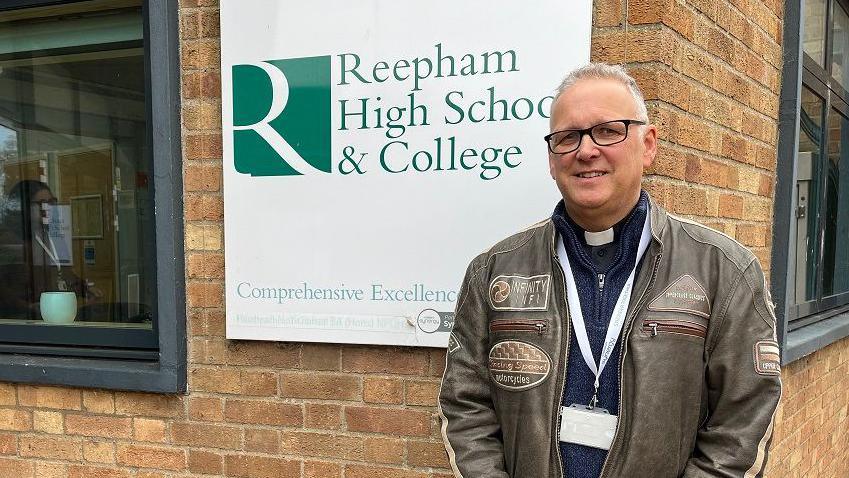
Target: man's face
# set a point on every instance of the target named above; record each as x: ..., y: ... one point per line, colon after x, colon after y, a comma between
x: 600, y: 181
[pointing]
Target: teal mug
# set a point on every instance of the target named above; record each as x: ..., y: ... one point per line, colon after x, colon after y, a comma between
x: 58, y: 307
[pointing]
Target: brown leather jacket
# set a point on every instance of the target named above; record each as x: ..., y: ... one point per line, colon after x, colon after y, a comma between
x: 699, y: 369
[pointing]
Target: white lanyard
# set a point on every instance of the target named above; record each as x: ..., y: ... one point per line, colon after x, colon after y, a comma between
x: 617, y: 319
x: 54, y: 256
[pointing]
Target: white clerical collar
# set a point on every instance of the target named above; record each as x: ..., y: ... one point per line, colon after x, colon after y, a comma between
x: 599, y: 238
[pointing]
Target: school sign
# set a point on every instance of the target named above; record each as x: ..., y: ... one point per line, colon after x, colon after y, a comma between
x: 372, y: 149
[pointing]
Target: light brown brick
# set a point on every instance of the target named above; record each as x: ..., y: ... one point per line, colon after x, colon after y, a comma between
x: 207, y: 351
x: 263, y: 354
x: 98, y: 401
x: 17, y: 468
x: 252, y: 466
x: 322, y: 469
x: 200, y: 54
x: 205, y: 265
x: 149, y: 404
x: 437, y: 362
x: 50, y: 397
x: 202, y: 145
x: 310, y: 385
x: 8, y: 444
x: 189, y: 25
x: 205, y: 237
x: 207, y: 409
x: 204, y: 294
x: 215, y: 380
x: 261, y: 384
x: 205, y: 462
x: 150, y: 430
x: 203, y: 207
x: 206, y: 435
x: 143, y: 456
x: 422, y: 393
x: 51, y: 470
x: 327, y: 416
x: 8, y: 395
x: 88, y: 471
x: 202, y: 115
x: 427, y: 454
x: 329, y: 445
x: 200, y: 178
x: 98, y: 425
x: 383, y: 390
x: 47, y: 422
x: 391, y: 421
x: 15, y: 420
x: 384, y: 450
x: 99, y: 451
x: 54, y: 448
x: 209, y: 24
x: 369, y: 471
x: 321, y: 357
x: 263, y: 412
x: 388, y: 360
x: 607, y: 13
x: 262, y: 440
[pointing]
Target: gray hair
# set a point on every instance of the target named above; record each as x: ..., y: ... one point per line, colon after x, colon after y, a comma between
x: 604, y: 71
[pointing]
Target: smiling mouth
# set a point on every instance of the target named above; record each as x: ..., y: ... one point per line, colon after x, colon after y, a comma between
x: 591, y: 174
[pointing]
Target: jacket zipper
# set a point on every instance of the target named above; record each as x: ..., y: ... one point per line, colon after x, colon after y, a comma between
x: 625, y: 352
x: 683, y: 327
x: 601, y: 282
x: 565, y: 358
x: 518, y: 325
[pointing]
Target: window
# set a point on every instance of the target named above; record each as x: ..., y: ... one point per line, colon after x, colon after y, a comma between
x: 87, y: 270
x: 810, y: 275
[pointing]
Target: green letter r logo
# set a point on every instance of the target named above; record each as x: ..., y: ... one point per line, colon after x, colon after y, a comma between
x: 270, y: 142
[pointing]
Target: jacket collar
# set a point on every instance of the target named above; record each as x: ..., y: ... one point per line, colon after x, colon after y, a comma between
x: 659, y: 218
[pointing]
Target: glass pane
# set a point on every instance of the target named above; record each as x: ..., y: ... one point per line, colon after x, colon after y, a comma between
x: 813, y: 34
x: 835, y: 250
x: 76, y: 217
x: 808, y: 192
x: 840, y: 46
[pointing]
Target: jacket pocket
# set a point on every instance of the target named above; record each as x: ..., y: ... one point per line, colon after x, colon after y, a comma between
x: 654, y: 326
x: 538, y: 326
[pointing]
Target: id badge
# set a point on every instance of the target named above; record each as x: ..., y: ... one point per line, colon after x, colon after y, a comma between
x: 593, y: 427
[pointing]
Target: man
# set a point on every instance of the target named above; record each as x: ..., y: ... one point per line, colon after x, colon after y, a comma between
x: 612, y: 339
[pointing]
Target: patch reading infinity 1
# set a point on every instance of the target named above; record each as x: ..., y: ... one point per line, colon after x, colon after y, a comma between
x: 517, y: 366
x: 519, y: 292
x: 767, y: 358
x: 683, y: 295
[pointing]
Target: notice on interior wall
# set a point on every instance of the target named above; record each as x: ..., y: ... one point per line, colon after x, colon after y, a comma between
x: 373, y: 148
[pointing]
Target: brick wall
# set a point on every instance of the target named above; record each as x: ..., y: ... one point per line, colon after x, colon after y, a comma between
x: 710, y: 70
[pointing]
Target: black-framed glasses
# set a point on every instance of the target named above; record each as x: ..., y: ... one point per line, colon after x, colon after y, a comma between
x: 602, y: 134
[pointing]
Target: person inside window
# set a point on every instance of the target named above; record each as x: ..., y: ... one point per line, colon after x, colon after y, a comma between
x: 29, y: 261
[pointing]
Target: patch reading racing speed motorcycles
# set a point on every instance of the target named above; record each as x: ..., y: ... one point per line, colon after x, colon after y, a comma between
x: 516, y: 292
x: 517, y: 366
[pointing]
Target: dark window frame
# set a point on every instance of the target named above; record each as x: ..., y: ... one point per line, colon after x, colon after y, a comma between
x: 159, y: 367
x: 807, y: 328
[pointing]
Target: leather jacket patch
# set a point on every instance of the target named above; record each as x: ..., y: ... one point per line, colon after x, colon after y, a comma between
x: 683, y: 295
x: 767, y: 357
x: 517, y: 366
x: 516, y: 292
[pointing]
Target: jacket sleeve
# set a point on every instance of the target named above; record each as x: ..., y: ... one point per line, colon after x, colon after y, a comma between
x: 470, y: 429
x: 743, y: 385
